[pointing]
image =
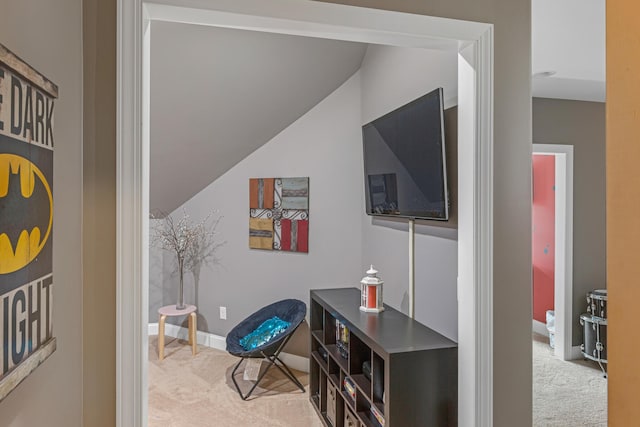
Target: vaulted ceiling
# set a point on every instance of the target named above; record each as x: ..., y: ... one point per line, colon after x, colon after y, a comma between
x: 219, y: 94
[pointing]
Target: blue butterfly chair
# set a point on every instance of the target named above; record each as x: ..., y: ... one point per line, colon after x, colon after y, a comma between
x: 290, y: 310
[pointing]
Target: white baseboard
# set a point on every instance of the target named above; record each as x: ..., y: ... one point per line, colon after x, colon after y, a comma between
x: 540, y: 328
x: 576, y: 353
x: 218, y: 342
x: 152, y: 329
x: 294, y: 361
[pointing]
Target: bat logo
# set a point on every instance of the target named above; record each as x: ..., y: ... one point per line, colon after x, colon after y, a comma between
x: 26, y: 212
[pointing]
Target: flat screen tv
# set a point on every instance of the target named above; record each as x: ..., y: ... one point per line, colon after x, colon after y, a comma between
x: 404, y: 161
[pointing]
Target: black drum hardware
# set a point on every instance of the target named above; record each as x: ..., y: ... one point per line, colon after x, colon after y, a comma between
x: 597, y: 303
x: 594, y: 323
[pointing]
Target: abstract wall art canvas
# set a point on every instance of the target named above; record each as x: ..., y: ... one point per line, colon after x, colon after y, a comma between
x: 27, y: 100
x: 279, y: 214
x: 261, y: 233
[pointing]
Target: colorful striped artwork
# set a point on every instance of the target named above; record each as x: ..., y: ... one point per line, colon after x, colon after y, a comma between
x: 261, y: 193
x: 295, y: 193
x: 260, y: 233
x: 294, y: 235
x: 279, y: 214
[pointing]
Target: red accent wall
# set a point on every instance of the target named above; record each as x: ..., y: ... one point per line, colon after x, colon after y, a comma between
x: 544, y: 233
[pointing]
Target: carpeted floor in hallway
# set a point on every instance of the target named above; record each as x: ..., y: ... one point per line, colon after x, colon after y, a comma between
x: 566, y: 393
x: 186, y: 391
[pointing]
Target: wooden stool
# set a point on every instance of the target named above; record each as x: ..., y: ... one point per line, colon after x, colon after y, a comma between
x: 171, y: 310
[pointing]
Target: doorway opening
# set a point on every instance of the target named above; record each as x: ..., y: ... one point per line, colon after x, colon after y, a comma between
x: 567, y: 390
x: 552, y: 250
x: 474, y: 45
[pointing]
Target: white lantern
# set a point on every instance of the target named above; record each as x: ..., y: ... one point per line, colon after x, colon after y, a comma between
x: 371, y: 289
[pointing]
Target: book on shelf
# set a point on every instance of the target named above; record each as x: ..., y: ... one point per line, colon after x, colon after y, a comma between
x: 350, y: 387
x: 377, y: 415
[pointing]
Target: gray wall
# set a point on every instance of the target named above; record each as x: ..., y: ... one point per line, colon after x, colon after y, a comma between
x: 98, y: 217
x: 512, y: 138
x: 157, y: 294
x: 512, y: 186
x: 391, y: 77
x: 581, y: 124
x: 512, y: 362
x: 512, y: 189
x: 48, y: 36
x: 324, y: 145
x: 163, y: 284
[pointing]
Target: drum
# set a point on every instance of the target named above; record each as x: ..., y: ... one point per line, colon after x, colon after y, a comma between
x: 594, y: 345
x: 597, y: 303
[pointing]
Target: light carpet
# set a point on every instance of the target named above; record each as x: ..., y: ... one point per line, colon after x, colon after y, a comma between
x: 187, y: 391
x: 566, y: 393
x: 198, y: 392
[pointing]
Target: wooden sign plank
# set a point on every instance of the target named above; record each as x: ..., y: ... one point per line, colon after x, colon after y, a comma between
x: 13, y: 61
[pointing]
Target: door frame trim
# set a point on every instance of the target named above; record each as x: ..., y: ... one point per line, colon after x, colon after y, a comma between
x: 475, y: 45
x: 563, y: 294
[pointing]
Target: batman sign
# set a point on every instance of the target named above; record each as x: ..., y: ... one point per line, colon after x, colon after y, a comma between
x: 26, y: 212
x: 27, y: 284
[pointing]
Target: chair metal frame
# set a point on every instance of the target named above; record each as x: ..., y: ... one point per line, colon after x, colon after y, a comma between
x: 272, y: 360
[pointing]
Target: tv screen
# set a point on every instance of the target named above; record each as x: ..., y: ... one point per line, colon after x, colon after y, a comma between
x: 404, y: 161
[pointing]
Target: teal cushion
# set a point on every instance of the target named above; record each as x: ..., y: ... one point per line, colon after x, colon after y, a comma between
x: 264, y: 333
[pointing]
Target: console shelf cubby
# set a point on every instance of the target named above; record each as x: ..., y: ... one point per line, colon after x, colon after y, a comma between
x: 412, y: 371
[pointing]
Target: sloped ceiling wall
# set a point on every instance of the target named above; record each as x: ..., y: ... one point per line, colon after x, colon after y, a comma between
x: 219, y: 94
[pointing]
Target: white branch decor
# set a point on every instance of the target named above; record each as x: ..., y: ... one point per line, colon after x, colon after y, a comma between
x: 193, y: 244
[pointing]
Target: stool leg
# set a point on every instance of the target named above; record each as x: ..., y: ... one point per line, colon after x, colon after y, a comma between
x: 161, y: 337
x: 193, y: 328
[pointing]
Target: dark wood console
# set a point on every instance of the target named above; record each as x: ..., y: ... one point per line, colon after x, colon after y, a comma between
x: 411, y: 377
